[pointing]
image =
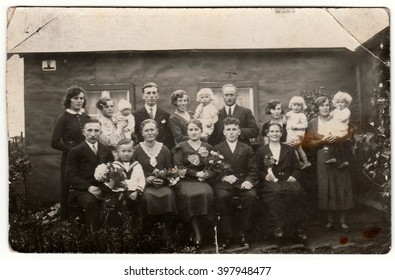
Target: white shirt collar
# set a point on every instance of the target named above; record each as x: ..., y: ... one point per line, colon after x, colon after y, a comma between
x: 232, y: 146
x: 232, y: 108
x: 74, y: 112
x: 154, y: 108
x: 90, y: 145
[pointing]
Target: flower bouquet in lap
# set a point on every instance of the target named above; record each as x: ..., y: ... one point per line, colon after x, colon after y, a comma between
x: 114, y: 183
x: 171, y: 175
x: 213, y: 162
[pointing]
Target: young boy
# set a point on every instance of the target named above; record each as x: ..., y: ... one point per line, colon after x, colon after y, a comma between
x: 135, y: 182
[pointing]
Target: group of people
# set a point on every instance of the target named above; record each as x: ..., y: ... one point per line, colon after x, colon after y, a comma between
x: 151, y: 140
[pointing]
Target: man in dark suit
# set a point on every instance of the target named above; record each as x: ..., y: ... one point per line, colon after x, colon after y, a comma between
x: 240, y: 181
x: 82, y: 161
x: 248, y: 126
x: 151, y: 111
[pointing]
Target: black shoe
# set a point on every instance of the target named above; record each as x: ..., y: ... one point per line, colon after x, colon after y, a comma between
x: 278, y: 233
x: 301, y: 235
x: 226, y: 244
x: 244, y: 241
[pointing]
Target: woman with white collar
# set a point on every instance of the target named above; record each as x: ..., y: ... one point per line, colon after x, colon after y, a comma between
x: 67, y: 133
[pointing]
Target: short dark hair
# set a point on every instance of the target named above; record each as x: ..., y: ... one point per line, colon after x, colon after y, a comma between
x: 195, y: 122
x: 275, y: 124
x: 70, y: 93
x: 144, y: 122
x: 125, y: 141
x: 319, y: 101
x: 229, y: 120
x: 92, y: 120
x: 150, y: 84
x: 272, y: 105
x: 102, y: 102
x: 179, y: 93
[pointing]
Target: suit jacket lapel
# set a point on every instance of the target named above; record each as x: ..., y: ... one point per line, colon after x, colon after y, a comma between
x: 238, y: 150
x: 283, y: 153
x: 236, y: 112
x: 89, y: 153
x: 227, y: 153
x: 144, y: 113
x: 102, y: 154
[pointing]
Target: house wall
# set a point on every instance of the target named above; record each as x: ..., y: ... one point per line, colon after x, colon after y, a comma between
x: 274, y: 74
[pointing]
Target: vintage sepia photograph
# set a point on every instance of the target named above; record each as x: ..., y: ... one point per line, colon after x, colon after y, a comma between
x: 199, y: 130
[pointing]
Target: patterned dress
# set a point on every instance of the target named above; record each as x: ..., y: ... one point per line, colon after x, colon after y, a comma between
x: 194, y: 198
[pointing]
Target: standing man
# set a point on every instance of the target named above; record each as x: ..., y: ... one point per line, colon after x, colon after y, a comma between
x: 248, y: 126
x: 239, y: 182
x: 151, y: 111
x: 81, y: 163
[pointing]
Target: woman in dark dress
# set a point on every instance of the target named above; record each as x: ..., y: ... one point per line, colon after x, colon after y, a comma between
x: 67, y: 133
x: 282, y: 193
x: 275, y: 110
x: 194, y: 196
x: 158, y: 199
x: 178, y: 121
x: 334, y: 184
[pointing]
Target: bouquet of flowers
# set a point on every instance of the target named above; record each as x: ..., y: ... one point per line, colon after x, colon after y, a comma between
x: 172, y: 175
x: 269, y: 161
x: 112, y: 176
x: 213, y: 162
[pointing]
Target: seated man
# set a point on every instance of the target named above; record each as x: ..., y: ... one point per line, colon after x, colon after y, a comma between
x: 82, y: 161
x: 239, y: 182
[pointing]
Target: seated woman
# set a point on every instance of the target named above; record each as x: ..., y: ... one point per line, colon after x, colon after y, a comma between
x: 334, y: 184
x: 282, y: 193
x: 275, y: 110
x: 157, y: 200
x: 194, y: 196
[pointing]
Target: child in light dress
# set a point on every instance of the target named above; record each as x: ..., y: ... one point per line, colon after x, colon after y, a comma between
x: 125, y: 115
x: 296, y: 124
x: 338, y: 126
x: 206, y: 112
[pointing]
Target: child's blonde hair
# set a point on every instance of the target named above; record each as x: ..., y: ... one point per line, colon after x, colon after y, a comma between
x: 341, y: 95
x: 297, y: 100
x: 205, y: 91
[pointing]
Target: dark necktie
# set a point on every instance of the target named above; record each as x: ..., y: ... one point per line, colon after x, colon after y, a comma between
x: 230, y: 112
x: 94, y: 150
x: 151, y: 113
